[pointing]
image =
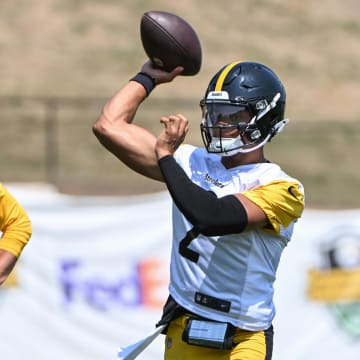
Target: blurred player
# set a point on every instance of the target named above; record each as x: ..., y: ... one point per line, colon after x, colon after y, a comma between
x: 16, y: 231
x: 233, y: 212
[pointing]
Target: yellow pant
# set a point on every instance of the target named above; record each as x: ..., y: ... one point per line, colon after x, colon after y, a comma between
x: 251, y: 345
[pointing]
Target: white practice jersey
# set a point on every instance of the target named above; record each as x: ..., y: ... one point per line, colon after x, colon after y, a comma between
x: 231, y: 277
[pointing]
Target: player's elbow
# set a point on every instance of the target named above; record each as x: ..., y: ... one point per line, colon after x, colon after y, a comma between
x: 219, y: 216
x: 99, y: 128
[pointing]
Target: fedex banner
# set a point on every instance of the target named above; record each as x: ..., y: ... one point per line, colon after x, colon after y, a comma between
x: 94, y: 278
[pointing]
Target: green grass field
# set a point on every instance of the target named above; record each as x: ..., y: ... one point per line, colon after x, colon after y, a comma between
x: 65, y: 50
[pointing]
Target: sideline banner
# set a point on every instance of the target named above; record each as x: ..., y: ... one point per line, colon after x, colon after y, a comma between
x: 94, y: 278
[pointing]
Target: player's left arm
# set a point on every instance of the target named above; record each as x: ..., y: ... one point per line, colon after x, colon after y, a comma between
x: 256, y: 217
x: 281, y: 201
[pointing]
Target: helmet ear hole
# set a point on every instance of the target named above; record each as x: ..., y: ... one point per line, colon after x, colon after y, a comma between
x: 255, y: 135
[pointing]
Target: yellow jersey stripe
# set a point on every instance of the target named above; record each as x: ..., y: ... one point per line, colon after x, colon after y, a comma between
x: 223, y: 75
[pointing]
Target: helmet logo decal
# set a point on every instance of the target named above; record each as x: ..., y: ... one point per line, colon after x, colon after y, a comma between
x: 218, y: 95
x: 225, y: 72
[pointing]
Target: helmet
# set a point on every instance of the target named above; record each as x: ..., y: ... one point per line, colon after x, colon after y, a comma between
x: 251, y: 99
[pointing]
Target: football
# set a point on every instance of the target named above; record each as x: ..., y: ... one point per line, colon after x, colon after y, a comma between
x: 170, y: 41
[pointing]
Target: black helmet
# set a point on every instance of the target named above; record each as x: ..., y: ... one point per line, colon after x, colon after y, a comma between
x: 242, y: 87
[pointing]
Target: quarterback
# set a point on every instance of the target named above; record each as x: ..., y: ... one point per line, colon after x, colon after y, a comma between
x: 233, y: 210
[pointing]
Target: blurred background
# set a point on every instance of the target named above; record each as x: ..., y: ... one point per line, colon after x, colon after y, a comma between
x: 60, y: 60
x: 95, y: 273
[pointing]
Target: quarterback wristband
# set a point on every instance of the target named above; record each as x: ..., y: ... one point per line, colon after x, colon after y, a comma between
x: 146, y: 81
x: 210, y: 215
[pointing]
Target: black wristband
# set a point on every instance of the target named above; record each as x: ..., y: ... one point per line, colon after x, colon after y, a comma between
x: 146, y: 81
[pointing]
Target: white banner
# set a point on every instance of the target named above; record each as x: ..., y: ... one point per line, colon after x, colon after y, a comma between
x: 94, y: 278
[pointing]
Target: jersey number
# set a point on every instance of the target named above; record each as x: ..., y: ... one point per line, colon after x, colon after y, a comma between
x: 185, y: 242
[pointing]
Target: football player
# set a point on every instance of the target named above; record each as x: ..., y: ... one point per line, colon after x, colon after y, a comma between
x: 234, y: 211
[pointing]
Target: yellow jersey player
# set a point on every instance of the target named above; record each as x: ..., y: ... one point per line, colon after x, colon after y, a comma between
x: 16, y: 231
x: 233, y: 210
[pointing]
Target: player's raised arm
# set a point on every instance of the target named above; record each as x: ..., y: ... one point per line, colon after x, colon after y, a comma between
x: 130, y: 143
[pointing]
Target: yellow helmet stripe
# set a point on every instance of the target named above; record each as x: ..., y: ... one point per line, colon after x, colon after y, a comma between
x: 221, y: 78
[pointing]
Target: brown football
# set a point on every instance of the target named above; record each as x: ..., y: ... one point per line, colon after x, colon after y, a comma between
x: 170, y: 41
